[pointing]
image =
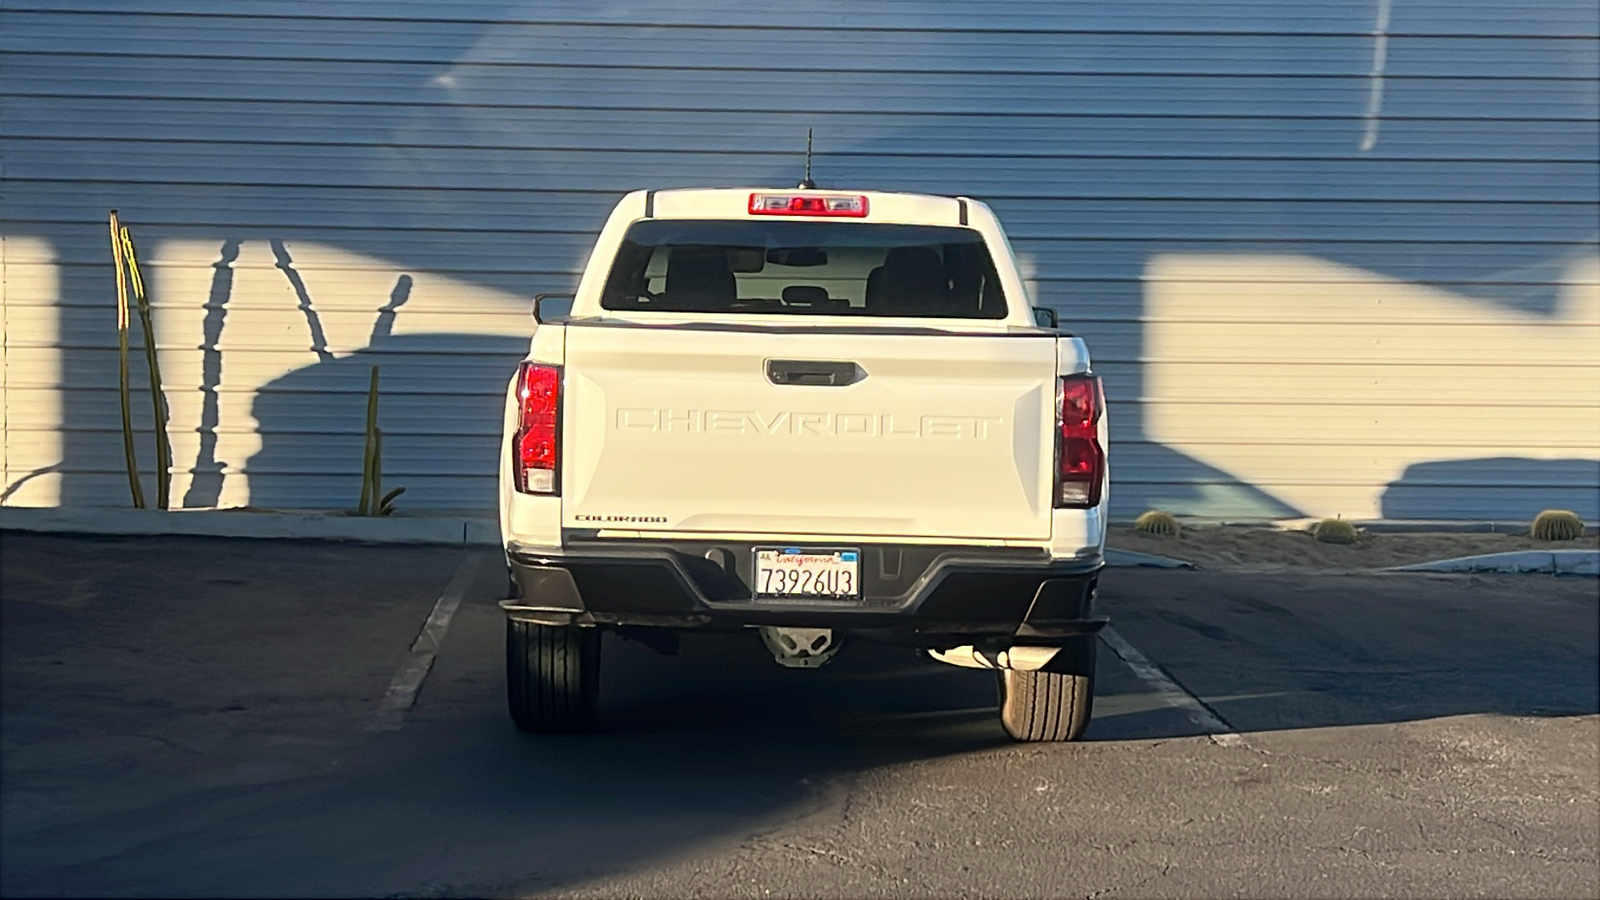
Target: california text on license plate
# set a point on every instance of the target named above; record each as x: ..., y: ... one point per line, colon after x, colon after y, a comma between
x: 832, y: 574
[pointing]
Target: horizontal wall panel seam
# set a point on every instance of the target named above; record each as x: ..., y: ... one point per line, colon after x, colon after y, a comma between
x: 1262, y: 190
x: 647, y: 68
x: 304, y: 230
x: 1081, y: 283
x: 781, y: 28
x: 354, y: 387
x: 1128, y: 445
x: 354, y: 436
x: 1100, y: 360
x: 1288, y: 55
x: 625, y: 69
x: 836, y: 157
x: 792, y: 110
x: 1175, y: 156
x: 613, y: 194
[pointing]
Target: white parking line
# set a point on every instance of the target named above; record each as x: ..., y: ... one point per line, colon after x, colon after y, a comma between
x: 407, y: 681
x: 1170, y: 691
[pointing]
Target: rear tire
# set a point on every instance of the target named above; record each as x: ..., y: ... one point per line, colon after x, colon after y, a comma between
x: 552, y: 676
x: 1045, y: 705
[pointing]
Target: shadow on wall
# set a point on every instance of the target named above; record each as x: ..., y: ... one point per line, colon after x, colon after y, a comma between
x: 1501, y: 489
x: 441, y: 430
x: 1182, y: 485
x: 441, y: 443
x: 1322, y: 383
x: 205, y: 488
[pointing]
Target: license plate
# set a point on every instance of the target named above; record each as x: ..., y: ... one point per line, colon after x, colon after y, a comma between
x: 796, y: 572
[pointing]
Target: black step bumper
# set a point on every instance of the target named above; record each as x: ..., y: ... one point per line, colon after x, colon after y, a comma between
x: 931, y: 596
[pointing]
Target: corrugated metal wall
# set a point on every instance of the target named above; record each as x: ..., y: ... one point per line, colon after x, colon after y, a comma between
x: 1332, y: 257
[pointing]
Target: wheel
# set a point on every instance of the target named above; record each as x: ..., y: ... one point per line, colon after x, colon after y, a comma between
x: 552, y: 676
x: 1049, y: 705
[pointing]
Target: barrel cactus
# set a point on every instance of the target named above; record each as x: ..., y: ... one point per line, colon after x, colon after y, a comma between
x: 1557, y: 525
x: 1335, y: 531
x: 1157, y: 522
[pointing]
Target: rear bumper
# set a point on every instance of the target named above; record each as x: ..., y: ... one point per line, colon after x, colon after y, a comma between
x: 930, y: 596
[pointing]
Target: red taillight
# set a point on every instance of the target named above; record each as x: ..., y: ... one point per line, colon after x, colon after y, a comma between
x: 853, y: 206
x: 537, y: 444
x: 1080, y: 460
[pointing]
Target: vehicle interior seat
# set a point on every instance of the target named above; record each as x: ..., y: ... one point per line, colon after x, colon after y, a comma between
x: 911, y: 280
x: 700, y: 278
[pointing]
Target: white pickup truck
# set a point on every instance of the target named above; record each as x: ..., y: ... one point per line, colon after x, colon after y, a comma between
x: 815, y: 415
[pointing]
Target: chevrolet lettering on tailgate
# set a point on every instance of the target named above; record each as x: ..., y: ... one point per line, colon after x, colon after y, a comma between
x: 801, y: 423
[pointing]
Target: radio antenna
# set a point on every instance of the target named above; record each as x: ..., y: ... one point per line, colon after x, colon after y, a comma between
x: 806, y: 184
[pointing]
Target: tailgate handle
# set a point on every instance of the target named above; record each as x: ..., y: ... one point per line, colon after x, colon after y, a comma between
x: 813, y: 372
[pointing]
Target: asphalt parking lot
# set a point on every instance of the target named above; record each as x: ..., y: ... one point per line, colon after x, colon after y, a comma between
x: 202, y: 717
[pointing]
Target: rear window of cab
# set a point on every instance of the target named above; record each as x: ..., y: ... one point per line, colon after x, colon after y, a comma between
x: 804, y: 268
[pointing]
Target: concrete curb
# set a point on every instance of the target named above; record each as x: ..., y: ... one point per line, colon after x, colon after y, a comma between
x: 485, y: 531
x: 1551, y: 562
x: 445, y: 529
x: 1374, y: 526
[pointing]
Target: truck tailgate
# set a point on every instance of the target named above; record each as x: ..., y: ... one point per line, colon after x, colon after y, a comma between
x: 940, y: 435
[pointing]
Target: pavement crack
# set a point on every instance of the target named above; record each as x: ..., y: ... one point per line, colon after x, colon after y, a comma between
x: 1508, y: 830
x: 823, y: 852
x: 169, y: 743
x: 1105, y: 891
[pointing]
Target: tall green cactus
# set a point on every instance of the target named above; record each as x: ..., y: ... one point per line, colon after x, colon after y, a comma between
x: 368, y: 504
x: 124, y: 389
x: 158, y: 397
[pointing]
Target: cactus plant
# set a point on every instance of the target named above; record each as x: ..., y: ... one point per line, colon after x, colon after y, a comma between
x: 1157, y: 522
x: 124, y: 386
x: 1335, y: 531
x: 376, y: 449
x: 158, y: 397
x: 374, y: 502
x: 386, y: 505
x: 366, y: 506
x: 1557, y: 525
